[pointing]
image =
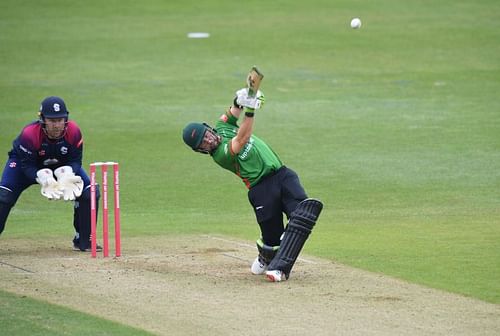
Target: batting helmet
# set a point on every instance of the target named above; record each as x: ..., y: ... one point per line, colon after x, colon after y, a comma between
x: 193, y: 135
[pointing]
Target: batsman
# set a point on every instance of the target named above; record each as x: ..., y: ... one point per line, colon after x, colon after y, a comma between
x: 273, y: 188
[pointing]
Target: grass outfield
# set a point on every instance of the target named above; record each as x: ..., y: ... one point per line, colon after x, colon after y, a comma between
x: 395, y: 126
x: 24, y: 316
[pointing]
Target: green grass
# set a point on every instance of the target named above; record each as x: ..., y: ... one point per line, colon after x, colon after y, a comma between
x: 20, y: 315
x: 395, y: 126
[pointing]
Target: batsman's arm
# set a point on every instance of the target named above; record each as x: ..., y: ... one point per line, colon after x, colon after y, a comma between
x: 247, y: 100
x: 235, y: 111
x: 243, y: 135
x: 245, y: 129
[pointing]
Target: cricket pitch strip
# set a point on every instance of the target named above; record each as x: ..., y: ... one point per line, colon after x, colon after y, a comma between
x: 202, y: 285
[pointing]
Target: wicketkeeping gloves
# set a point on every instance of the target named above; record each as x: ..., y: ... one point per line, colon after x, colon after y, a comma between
x: 50, y: 187
x: 250, y: 102
x: 70, y: 184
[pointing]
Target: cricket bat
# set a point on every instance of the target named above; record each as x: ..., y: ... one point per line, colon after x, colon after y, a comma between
x: 253, y: 81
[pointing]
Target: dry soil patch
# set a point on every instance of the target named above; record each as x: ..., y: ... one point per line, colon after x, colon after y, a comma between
x: 201, y: 285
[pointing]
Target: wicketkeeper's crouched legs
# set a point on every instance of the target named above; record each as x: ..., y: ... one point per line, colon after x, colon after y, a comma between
x: 7, y: 201
x: 300, y: 225
x: 81, y: 218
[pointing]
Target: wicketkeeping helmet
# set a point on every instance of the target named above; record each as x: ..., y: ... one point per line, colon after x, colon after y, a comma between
x: 53, y: 107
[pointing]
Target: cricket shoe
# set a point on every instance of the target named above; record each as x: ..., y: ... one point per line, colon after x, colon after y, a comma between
x: 76, y: 246
x: 259, y: 266
x: 276, y: 276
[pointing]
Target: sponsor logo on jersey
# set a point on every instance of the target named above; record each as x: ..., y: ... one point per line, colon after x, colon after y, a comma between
x: 64, y: 150
x: 41, y: 152
x: 247, y: 149
x: 13, y: 164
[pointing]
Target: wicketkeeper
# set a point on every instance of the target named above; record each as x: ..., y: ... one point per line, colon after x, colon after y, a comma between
x: 49, y: 152
x: 273, y: 188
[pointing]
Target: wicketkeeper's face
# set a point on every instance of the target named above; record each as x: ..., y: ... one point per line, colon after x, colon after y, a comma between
x: 55, y: 127
x: 210, y: 141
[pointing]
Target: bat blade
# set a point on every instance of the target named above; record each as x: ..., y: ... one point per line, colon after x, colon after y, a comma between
x: 254, y: 79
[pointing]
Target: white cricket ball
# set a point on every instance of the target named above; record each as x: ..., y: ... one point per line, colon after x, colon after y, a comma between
x: 355, y: 23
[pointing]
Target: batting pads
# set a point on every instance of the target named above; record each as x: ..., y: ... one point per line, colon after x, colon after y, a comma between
x: 299, y: 227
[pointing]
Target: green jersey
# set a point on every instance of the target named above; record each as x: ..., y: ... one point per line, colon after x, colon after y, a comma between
x: 254, y: 161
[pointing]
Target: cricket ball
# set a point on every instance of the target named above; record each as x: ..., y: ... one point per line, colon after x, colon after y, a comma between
x: 355, y: 23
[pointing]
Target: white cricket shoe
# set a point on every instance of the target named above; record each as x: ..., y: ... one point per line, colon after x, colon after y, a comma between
x: 258, y: 266
x: 275, y: 276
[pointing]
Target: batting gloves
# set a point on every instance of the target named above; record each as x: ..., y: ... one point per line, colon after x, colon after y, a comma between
x: 243, y: 99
